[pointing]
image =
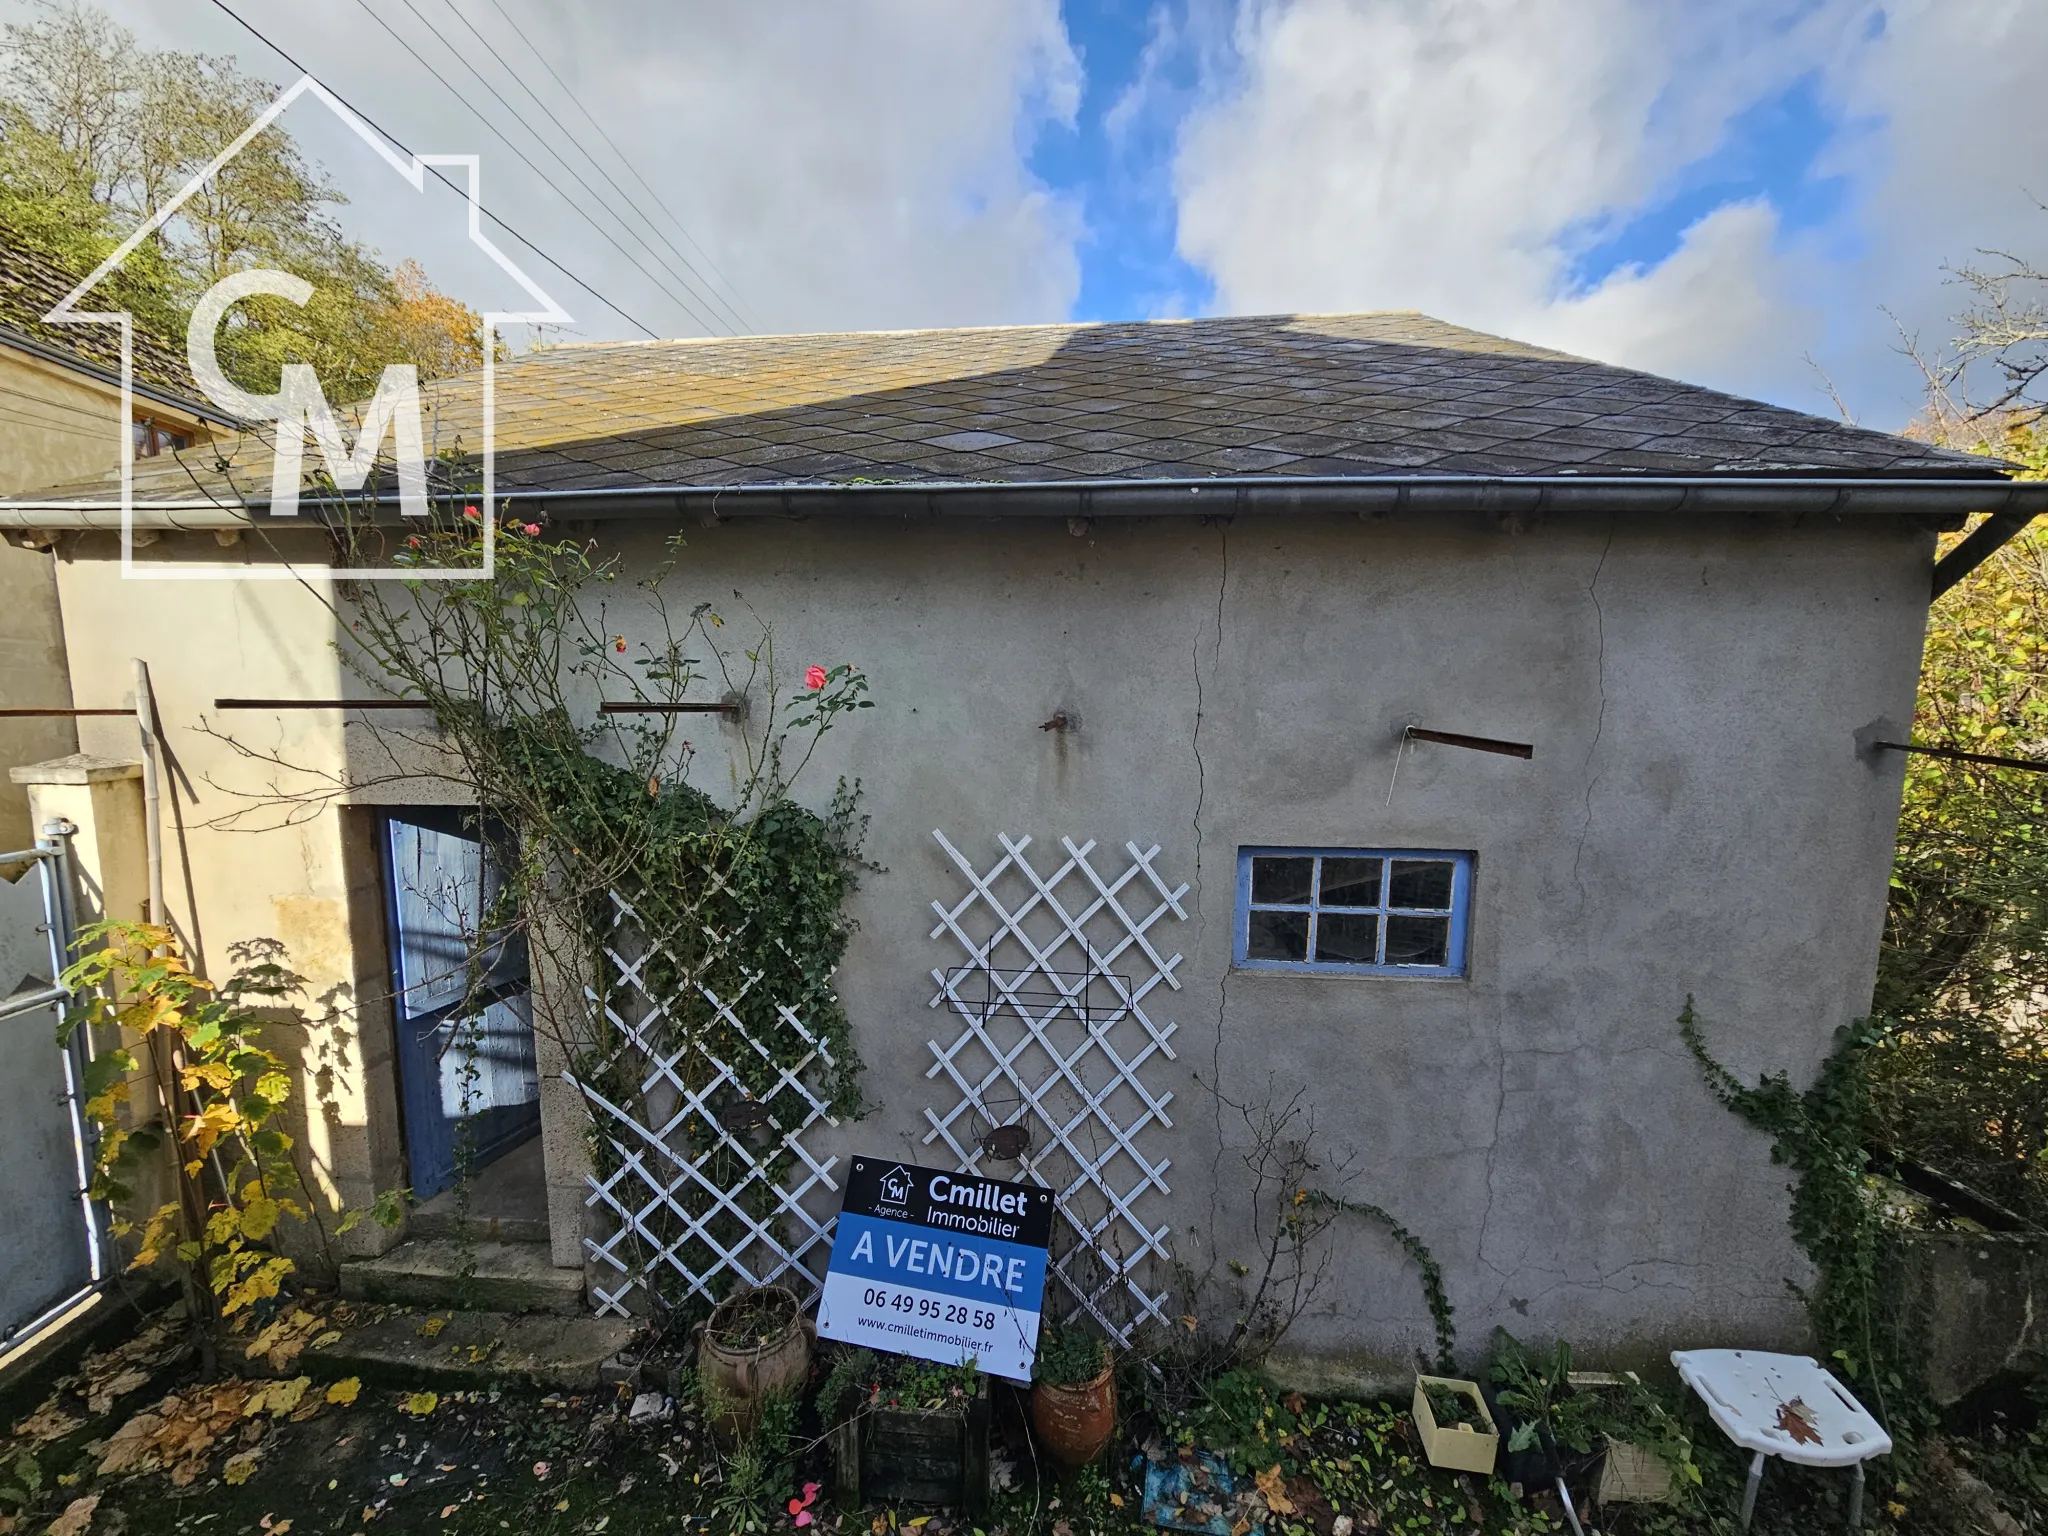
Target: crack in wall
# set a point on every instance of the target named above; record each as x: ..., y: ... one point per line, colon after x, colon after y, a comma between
x: 1600, y: 720
x: 1502, y: 1049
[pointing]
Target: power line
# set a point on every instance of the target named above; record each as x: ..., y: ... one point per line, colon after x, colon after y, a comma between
x: 42, y: 425
x: 703, y: 287
x: 525, y: 159
x: 577, y: 102
x: 435, y: 172
x: 64, y: 407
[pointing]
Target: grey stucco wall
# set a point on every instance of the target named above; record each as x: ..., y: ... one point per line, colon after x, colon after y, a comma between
x: 1696, y: 820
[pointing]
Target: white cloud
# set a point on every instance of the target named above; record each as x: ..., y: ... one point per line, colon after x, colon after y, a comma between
x: 1724, y: 301
x: 1457, y: 156
x: 845, y: 167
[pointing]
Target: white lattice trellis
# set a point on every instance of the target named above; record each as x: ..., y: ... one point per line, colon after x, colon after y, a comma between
x: 673, y: 1211
x: 1054, y: 1036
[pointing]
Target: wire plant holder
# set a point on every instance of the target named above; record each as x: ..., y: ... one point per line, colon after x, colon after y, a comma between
x: 1047, y: 1069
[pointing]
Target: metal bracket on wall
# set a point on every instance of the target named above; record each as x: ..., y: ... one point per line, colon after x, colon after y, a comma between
x: 1956, y: 754
x: 1470, y: 743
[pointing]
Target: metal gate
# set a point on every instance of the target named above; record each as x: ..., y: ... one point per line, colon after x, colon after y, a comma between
x: 56, y: 1253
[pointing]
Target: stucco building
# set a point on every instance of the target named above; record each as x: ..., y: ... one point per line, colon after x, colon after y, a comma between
x: 1191, y: 607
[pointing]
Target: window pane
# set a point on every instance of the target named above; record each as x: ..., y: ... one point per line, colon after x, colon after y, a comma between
x: 1347, y: 938
x: 1282, y: 880
x: 1278, y: 936
x: 1350, y: 883
x: 1420, y: 883
x: 1418, y: 940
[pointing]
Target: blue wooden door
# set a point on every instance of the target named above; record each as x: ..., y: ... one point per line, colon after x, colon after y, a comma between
x: 464, y: 1011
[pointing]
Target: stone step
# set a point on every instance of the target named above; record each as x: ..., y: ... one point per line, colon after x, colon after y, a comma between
x: 472, y: 1276
x: 466, y: 1349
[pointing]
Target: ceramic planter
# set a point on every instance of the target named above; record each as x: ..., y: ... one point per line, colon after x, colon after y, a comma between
x: 1456, y: 1447
x: 1076, y: 1422
x: 740, y: 1379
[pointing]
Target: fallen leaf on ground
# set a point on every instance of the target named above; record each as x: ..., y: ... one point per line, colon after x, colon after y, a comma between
x: 345, y: 1390
x: 1274, y: 1487
x: 103, y: 1395
x: 47, y: 1423
x: 432, y: 1326
x: 77, y: 1517
x: 239, y: 1469
x: 420, y: 1404
x: 133, y: 1447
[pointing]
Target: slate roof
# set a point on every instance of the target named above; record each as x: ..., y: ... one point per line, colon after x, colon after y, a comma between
x: 32, y: 284
x: 1269, y: 396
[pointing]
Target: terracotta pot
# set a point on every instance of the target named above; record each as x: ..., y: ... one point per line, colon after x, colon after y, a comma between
x: 739, y: 1379
x: 1075, y: 1423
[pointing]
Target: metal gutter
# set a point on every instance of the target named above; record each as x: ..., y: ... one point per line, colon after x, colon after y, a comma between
x: 22, y: 342
x: 1251, y: 495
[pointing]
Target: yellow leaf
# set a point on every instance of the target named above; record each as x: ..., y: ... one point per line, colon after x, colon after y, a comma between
x: 1117, y: 1500
x: 432, y: 1326
x: 278, y: 1528
x: 281, y: 1397
x: 345, y: 1390
x: 239, y: 1469
x: 421, y: 1404
x: 1274, y: 1487
x: 259, y: 1216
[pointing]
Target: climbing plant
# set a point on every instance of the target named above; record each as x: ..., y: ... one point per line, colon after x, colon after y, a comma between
x: 1837, y: 1216
x: 569, y: 735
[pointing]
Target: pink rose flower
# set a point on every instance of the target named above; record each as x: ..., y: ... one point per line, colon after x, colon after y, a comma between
x: 471, y: 512
x: 814, y: 677
x: 532, y: 530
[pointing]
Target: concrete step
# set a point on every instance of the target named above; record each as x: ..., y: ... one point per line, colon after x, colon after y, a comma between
x: 473, y: 1276
x: 467, y: 1349
x: 426, y: 1222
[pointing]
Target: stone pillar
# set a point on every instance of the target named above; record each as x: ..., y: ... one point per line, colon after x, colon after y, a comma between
x: 561, y: 1026
x: 102, y: 798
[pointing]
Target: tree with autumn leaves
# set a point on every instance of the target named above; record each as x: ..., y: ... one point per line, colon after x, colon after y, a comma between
x: 1960, y: 1079
x: 97, y: 132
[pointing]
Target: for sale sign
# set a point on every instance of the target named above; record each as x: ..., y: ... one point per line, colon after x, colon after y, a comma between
x: 945, y: 1266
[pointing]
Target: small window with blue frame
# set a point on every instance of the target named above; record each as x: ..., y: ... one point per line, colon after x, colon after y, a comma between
x: 1353, y: 911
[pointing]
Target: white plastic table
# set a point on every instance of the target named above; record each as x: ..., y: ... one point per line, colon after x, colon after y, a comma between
x: 1753, y: 1396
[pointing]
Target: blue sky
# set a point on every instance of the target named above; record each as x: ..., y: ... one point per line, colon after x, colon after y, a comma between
x: 1130, y: 264
x: 1130, y: 268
